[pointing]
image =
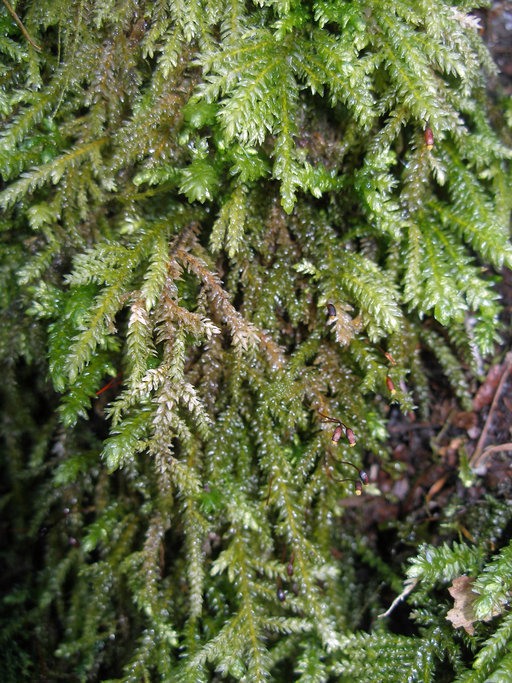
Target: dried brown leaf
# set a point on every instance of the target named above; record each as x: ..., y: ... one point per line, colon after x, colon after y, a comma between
x: 462, y: 613
x: 465, y: 420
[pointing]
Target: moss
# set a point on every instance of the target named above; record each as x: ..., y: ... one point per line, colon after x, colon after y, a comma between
x: 220, y: 220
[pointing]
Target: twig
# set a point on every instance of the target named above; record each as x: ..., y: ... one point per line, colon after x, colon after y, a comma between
x: 476, y: 455
x: 115, y: 380
x: 410, y: 585
x: 492, y: 449
x: 41, y: 659
x: 23, y: 29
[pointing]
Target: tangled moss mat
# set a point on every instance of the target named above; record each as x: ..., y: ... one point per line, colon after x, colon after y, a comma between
x: 232, y: 231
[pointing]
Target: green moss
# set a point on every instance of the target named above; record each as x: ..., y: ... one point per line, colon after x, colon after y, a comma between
x: 187, y: 186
